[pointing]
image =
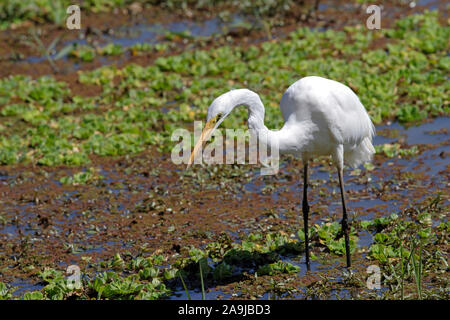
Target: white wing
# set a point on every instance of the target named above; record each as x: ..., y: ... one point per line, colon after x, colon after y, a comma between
x: 331, y: 106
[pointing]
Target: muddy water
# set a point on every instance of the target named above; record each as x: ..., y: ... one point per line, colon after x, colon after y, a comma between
x: 430, y: 163
x: 153, y: 33
x: 149, y: 33
x: 392, y: 185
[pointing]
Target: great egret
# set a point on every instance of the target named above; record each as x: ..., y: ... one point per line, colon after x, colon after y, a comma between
x: 322, y: 117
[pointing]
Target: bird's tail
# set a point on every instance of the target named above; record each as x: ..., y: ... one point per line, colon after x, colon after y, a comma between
x: 362, y: 153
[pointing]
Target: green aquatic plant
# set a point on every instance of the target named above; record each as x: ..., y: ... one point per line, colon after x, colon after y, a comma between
x: 278, y: 267
x: 411, y: 113
x: 53, y: 11
x: 405, y: 265
x: 110, y: 285
x: 138, y: 107
x: 84, y: 53
x: 329, y: 235
x: 409, y: 251
x: 57, y: 287
x: 379, y: 223
x: 5, y: 292
x: 111, y: 49
x: 34, y: 295
x: 396, y: 150
x: 222, y: 271
x: 83, y: 177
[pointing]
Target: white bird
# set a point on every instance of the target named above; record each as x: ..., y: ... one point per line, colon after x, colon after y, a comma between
x: 322, y: 117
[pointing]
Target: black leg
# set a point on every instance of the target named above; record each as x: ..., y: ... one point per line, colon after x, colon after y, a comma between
x: 305, y: 209
x: 344, y: 219
x: 316, y: 5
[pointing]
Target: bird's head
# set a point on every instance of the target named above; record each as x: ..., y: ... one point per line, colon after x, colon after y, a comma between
x: 219, y: 109
x: 221, y: 106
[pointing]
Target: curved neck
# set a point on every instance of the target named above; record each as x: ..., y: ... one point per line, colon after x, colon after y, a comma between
x: 286, y: 139
x: 254, y: 105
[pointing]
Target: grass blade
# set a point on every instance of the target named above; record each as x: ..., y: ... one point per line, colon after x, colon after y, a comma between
x: 201, y: 281
x: 53, y: 45
x: 64, y: 51
x: 403, y: 274
x: 184, y: 286
x: 418, y: 272
x: 405, y: 266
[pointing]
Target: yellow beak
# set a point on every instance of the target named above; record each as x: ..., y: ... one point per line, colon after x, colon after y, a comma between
x: 206, y: 133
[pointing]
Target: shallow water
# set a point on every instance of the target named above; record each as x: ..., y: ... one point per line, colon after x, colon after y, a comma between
x: 152, y: 33
x: 361, y: 200
x: 432, y: 4
x: 430, y: 162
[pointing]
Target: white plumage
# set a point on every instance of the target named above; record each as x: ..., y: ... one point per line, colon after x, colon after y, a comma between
x: 332, y: 115
x: 322, y: 117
